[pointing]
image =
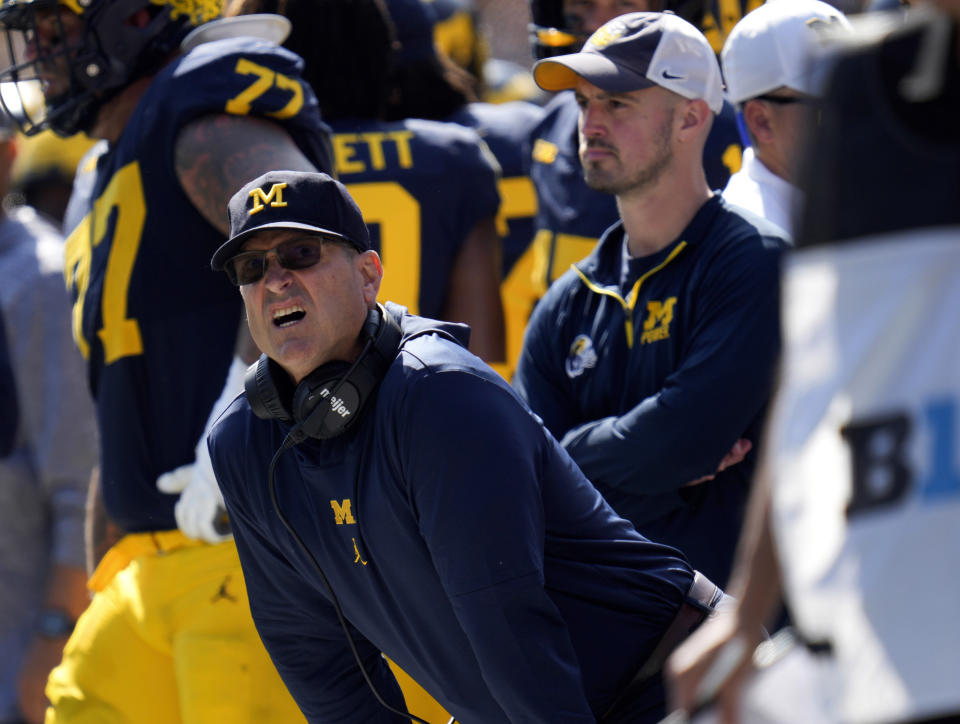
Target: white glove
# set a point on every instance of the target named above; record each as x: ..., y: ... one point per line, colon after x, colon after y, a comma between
x: 200, y: 511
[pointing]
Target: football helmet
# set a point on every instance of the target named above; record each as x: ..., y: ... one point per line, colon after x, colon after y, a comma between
x: 553, y: 32
x: 68, y: 57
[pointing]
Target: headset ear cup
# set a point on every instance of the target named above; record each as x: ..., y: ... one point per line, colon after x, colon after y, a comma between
x: 262, y: 392
x: 330, y: 399
x: 372, y: 324
x: 325, y: 402
x: 386, y: 342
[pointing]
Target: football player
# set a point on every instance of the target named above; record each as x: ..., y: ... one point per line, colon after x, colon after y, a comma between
x: 168, y: 635
x: 428, y: 190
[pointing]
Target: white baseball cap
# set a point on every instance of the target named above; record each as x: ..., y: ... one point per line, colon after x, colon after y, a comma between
x: 778, y: 45
x: 636, y: 51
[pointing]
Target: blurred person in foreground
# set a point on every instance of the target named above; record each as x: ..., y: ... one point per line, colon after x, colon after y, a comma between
x: 858, y: 501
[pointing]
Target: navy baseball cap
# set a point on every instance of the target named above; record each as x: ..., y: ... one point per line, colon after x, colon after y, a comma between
x: 637, y: 51
x: 292, y: 200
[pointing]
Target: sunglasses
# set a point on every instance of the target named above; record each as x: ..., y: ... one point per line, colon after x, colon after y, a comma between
x: 250, y: 266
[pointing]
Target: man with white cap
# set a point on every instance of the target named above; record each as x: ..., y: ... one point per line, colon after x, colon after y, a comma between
x: 652, y: 359
x: 770, y: 64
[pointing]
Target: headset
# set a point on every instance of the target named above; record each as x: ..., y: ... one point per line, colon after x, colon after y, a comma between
x: 346, y: 387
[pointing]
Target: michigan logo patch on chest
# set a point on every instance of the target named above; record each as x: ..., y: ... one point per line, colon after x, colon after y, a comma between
x: 657, y: 324
x: 581, y: 356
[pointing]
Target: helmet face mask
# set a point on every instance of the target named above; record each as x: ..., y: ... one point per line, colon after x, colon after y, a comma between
x: 47, y: 48
x: 66, y: 58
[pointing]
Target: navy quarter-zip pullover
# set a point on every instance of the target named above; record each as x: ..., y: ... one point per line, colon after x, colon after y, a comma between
x: 459, y: 539
x: 649, y: 369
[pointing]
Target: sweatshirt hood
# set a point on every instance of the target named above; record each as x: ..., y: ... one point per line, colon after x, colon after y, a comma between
x: 413, y: 326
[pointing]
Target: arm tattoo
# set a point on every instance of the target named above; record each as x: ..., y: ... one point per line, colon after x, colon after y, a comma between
x: 216, y: 155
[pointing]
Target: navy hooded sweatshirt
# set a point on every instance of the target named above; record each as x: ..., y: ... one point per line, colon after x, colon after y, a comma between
x: 460, y: 540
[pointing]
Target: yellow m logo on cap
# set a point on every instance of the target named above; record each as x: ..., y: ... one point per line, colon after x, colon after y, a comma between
x: 607, y: 33
x: 274, y: 197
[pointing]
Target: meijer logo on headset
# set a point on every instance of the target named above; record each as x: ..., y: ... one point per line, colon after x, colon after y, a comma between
x: 337, y: 404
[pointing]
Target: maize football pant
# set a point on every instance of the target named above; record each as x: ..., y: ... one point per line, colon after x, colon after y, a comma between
x: 169, y: 640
